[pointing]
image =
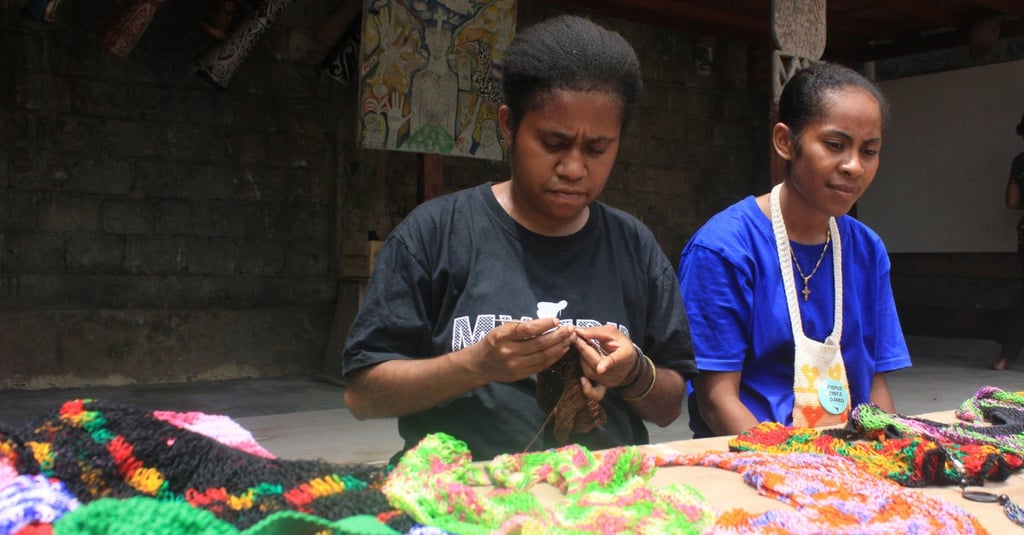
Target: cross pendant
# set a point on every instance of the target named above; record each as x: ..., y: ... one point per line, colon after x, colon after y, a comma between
x: 806, y: 291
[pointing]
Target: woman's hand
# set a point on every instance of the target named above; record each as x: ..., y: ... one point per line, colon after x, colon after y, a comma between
x: 516, y: 350
x: 607, y: 357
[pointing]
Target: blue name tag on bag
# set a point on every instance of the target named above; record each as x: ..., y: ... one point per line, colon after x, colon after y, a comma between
x: 833, y: 396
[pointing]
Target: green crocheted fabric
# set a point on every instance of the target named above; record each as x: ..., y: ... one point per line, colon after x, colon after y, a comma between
x: 437, y: 483
x: 149, y: 516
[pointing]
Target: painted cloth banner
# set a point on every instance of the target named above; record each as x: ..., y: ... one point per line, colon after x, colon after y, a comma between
x: 430, y: 78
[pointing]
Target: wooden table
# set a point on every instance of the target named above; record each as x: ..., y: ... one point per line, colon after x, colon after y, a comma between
x: 726, y: 487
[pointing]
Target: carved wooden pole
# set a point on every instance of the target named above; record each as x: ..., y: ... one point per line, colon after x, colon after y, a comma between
x: 218, y: 64
x: 127, y: 26
x: 798, y: 27
x: 341, y: 35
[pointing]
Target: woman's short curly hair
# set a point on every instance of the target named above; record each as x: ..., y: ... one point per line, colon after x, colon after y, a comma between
x: 568, y: 53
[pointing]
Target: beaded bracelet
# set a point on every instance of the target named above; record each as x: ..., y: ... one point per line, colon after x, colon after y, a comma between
x: 654, y: 379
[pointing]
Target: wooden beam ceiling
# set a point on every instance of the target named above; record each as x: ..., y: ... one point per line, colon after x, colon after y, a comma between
x: 858, y: 30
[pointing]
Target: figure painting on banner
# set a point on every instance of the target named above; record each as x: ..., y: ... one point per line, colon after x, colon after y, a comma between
x: 430, y: 76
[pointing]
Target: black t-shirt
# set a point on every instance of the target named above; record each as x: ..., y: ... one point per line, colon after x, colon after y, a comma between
x: 459, y: 265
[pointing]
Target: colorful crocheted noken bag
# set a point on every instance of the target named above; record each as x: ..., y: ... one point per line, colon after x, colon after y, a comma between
x: 990, y: 417
x: 910, y: 461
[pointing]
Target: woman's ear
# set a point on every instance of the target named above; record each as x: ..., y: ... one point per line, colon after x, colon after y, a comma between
x: 782, y: 142
x: 505, y: 124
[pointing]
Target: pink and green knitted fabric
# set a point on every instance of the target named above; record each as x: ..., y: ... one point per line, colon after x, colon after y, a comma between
x: 609, y: 493
x: 437, y: 483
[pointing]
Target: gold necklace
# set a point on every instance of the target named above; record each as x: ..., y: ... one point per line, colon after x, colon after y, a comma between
x: 807, y: 291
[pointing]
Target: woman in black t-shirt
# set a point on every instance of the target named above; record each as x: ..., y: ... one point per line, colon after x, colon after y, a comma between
x: 479, y: 291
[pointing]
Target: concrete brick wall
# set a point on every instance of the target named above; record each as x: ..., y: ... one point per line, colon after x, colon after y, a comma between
x: 964, y: 295
x: 155, y: 229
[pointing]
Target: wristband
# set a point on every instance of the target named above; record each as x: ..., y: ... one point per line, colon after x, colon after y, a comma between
x: 635, y: 370
x: 650, y: 387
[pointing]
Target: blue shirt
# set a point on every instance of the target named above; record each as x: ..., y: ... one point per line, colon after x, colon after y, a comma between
x: 732, y: 289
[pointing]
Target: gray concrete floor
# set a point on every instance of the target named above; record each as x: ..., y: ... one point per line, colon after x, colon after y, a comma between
x: 305, y: 417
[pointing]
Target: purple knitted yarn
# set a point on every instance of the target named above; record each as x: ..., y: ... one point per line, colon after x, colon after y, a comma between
x: 33, y: 498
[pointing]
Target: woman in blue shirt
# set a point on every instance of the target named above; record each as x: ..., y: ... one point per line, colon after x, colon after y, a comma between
x: 789, y: 302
